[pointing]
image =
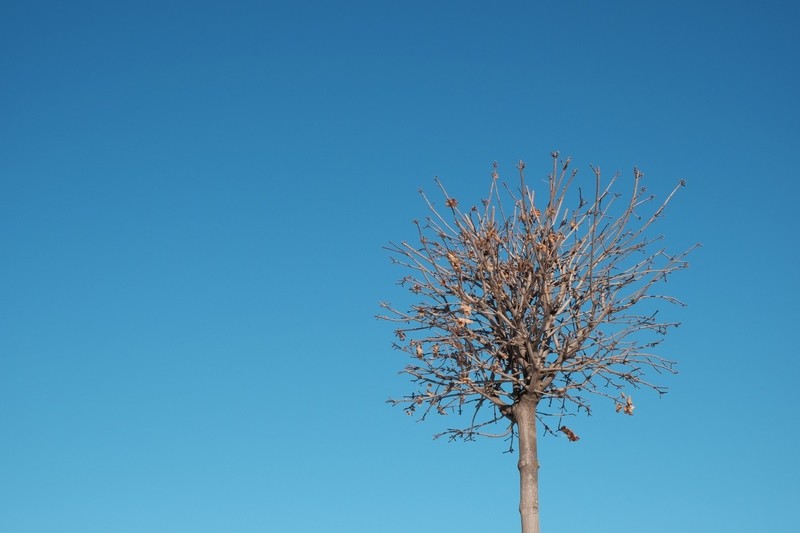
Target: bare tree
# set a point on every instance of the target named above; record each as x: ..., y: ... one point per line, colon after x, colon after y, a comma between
x: 528, y: 307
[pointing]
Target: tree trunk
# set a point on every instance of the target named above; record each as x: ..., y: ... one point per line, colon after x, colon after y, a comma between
x: 525, y: 416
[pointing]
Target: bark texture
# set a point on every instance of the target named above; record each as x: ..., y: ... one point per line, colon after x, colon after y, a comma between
x: 525, y: 415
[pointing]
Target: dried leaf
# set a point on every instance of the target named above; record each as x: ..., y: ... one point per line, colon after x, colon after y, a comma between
x: 629, y: 407
x: 453, y: 260
x: 569, y: 433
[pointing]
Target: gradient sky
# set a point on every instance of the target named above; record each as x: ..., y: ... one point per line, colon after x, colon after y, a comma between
x: 193, y: 201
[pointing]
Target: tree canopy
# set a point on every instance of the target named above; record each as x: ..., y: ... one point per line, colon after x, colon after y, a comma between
x: 534, y: 295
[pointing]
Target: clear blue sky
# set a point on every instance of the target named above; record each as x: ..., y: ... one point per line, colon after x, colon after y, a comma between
x: 193, y: 200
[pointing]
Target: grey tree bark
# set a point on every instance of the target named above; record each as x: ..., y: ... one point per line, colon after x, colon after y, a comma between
x: 525, y: 417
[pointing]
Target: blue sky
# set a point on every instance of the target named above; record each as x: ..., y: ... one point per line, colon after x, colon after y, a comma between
x: 193, y: 200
